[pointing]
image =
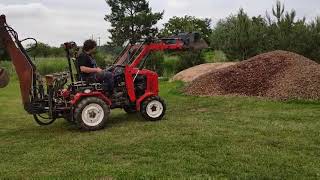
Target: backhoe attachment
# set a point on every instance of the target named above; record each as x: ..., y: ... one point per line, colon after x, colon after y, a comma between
x: 23, y: 65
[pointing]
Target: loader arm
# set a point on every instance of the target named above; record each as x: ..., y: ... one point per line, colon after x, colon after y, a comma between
x: 156, y: 46
x: 134, y: 55
x: 24, y: 67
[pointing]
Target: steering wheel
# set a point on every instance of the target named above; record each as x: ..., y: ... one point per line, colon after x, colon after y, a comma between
x: 113, y: 67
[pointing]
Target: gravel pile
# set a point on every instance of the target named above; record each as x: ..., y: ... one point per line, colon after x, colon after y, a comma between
x: 193, y: 73
x: 277, y: 75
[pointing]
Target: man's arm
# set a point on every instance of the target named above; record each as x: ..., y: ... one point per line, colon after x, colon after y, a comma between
x: 84, y: 65
x: 88, y: 70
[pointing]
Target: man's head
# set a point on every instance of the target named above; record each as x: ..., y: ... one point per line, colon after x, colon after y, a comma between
x: 89, y: 46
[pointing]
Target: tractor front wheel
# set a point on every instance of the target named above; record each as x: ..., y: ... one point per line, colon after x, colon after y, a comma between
x: 91, y: 114
x: 153, y: 108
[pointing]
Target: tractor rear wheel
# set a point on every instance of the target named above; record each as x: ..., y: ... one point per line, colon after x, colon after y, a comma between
x: 153, y: 108
x: 91, y: 114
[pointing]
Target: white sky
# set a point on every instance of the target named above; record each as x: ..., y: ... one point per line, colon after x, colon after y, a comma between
x: 57, y: 21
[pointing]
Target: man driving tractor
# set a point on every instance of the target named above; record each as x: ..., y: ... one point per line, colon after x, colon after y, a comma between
x: 89, y: 71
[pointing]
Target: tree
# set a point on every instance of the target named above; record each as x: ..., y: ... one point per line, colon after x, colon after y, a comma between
x: 278, y: 11
x: 155, y: 62
x: 177, y: 25
x: 44, y: 50
x: 131, y: 20
x: 189, y: 59
x: 240, y: 36
x: 315, y: 39
x: 289, y: 33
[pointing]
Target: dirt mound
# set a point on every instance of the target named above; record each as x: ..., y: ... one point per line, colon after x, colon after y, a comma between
x: 193, y: 73
x: 278, y: 75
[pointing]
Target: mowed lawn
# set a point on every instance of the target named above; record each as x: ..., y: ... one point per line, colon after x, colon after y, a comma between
x: 216, y: 137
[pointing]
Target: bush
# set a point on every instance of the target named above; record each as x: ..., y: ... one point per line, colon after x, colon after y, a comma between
x: 211, y: 56
x: 189, y: 59
x: 103, y: 59
x: 7, y: 65
x: 51, y: 65
x: 155, y: 62
x: 170, y: 65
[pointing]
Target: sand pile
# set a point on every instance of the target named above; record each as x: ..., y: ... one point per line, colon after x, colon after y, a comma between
x: 278, y: 75
x: 193, y: 73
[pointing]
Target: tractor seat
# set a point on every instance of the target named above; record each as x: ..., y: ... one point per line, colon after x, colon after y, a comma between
x: 78, y: 74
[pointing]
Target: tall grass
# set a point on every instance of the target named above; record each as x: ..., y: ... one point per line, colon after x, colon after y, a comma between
x: 7, y: 65
x: 51, y: 65
x: 215, y: 56
x: 44, y: 65
x: 60, y: 64
x: 170, y: 65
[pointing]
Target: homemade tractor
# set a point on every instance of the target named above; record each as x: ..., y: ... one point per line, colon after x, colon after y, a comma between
x: 87, y: 103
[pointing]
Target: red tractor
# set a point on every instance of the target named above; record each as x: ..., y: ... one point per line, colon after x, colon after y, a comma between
x: 86, y: 103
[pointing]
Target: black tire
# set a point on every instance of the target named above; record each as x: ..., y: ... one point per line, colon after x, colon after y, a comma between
x: 153, y: 102
x: 130, y: 109
x: 95, y: 121
x: 43, y: 121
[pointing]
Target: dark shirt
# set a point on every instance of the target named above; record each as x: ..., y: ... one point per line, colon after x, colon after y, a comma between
x: 86, y: 60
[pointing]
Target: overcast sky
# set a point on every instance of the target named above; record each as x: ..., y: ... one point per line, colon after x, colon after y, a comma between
x: 56, y: 21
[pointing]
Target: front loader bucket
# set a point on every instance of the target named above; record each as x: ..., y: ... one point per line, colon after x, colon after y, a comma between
x: 193, y: 41
x: 198, y: 45
x: 22, y: 64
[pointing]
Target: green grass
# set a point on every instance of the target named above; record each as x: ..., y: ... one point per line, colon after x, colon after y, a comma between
x: 218, y: 137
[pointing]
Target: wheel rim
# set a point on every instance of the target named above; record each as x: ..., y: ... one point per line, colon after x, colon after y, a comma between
x: 92, y: 114
x: 154, y: 109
